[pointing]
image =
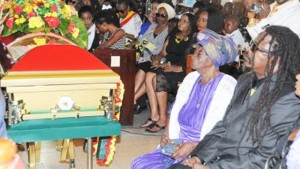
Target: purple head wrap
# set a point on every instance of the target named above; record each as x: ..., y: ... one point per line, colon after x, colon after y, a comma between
x: 220, y: 49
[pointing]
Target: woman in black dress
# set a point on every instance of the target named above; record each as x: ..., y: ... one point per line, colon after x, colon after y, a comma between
x: 165, y: 76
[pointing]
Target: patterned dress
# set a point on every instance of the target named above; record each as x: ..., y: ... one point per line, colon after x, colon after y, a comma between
x: 120, y: 44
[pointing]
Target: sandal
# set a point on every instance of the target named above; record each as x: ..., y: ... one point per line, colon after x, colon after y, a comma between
x: 149, y: 123
x: 156, y: 128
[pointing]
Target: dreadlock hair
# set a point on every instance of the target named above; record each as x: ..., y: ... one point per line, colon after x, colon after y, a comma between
x: 284, y: 45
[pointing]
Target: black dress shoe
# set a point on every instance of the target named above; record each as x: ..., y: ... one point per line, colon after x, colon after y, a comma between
x: 138, y: 108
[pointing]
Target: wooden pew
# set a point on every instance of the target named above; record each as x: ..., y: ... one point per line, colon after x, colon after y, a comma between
x: 126, y: 70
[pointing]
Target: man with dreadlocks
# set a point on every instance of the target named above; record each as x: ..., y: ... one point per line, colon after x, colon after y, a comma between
x: 262, y: 111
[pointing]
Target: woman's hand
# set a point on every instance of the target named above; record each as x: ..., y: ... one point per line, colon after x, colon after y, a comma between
x: 167, y: 67
x: 165, y: 139
x: 155, y: 62
x: 130, y: 36
x: 184, y: 150
x: 171, y: 68
x: 132, y: 44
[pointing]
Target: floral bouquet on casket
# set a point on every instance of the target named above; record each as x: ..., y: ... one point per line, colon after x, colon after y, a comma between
x: 30, y: 16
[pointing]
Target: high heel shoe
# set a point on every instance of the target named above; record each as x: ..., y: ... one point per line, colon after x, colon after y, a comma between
x: 155, y: 128
x: 149, y: 123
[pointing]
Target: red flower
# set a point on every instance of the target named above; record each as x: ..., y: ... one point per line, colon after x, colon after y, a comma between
x: 18, y: 9
x: 117, y: 100
x: 53, y: 22
x: 31, y: 14
x: 10, y: 23
x: 71, y: 28
x: 54, y: 8
x: 39, y: 3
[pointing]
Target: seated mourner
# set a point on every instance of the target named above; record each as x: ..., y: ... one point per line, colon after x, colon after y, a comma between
x: 262, y: 109
x: 163, y: 78
x: 293, y: 157
x: 2, y: 112
x: 86, y: 15
x: 200, y: 103
x: 107, y: 23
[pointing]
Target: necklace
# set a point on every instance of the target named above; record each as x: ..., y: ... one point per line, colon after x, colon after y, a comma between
x: 178, y: 40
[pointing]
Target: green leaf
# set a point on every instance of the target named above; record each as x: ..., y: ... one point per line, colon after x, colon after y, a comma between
x: 82, y: 39
x: 63, y: 27
x: 6, y: 31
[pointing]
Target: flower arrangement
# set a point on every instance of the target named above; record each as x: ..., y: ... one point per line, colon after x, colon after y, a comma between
x: 30, y: 16
x: 104, y: 147
x: 106, y: 150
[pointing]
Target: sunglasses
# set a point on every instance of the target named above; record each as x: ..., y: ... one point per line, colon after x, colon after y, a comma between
x: 120, y: 11
x: 160, y: 15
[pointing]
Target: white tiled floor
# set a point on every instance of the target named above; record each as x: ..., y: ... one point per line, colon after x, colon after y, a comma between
x: 129, y: 147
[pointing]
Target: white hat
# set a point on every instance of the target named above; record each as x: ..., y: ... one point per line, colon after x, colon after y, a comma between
x: 187, y: 3
x: 170, y: 10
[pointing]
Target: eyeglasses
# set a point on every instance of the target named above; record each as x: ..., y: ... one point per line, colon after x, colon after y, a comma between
x: 254, y: 48
x: 160, y: 15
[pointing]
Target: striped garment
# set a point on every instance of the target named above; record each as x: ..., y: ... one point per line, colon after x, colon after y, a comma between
x: 158, y: 41
x: 120, y: 44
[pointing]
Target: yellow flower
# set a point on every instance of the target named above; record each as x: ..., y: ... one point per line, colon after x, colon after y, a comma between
x: 47, y: 5
x: 75, y: 32
x: 39, y: 41
x: 112, y: 149
x: 36, y: 22
x: 54, y: 14
x: 27, y: 7
x: 66, y: 11
x: 11, y: 6
x: 20, y: 20
x: 16, y: 16
x: 41, y: 1
x: 49, y: 14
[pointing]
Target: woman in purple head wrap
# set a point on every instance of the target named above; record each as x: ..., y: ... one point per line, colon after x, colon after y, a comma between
x: 220, y: 49
x: 201, y: 101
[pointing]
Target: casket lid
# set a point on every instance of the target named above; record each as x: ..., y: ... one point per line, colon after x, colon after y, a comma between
x: 58, y: 64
